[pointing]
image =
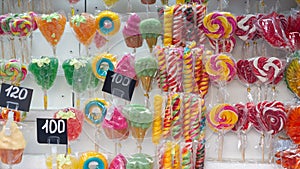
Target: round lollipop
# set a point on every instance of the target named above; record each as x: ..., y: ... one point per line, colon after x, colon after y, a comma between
x: 291, y: 76
x: 146, y: 69
x: 222, y: 118
x: 44, y: 71
x: 102, y: 63
x: 84, y: 27
x: 108, y: 23
x: 52, y: 27
x: 140, y: 119
x: 292, y: 124
x: 13, y: 71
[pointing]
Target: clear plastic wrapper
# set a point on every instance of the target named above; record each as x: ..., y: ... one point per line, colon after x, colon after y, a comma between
x: 139, y: 160
x: 13, y: 71
x: 44, y: 71
x: 92, y: 159
x: 12, y: 142
x: 140, y: 119
x: 52, y: 27
x: 95, y: 110
x: 118, y: 162
x: 74, y: 118
x: 84, y: 27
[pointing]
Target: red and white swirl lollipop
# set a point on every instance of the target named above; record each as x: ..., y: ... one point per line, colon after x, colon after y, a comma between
x: 266, y: 69
x: 246, y: 27
x: 243, y: 124
x: 272, y: 116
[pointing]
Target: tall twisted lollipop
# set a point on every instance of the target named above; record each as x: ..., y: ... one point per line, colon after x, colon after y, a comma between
x: 188, y: 80
x: 200, y: 13
x: 172, y: 69
x: 157, y: 120
x: 176, y: 104
x: 200, y: 74
x: 162, y: 68
x: 178, y: 26
x: 168, y: 20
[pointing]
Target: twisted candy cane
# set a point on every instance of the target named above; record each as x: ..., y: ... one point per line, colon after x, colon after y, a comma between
x: 167, y: 157
x: 176, y: 117
x: 201, y: 77
x: 176, y: 157
x: 178, y: 26
x: 190, y: 24
x: 186, y: 155
x: 200, y: 156
x: 195, y: 123
x: 172, y: 62
x: 162, y: 71
x: 200, y: 13
x: 167, y: 119
x: 168, y: 20
x: 187, y: 102
x: 157, y: 121
x: 188, y: 71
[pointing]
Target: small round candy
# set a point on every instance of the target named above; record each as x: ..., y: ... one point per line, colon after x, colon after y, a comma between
x: 87, y: 159
x: 108, y: 23
x: 95, y: 110
x: 98, y: 64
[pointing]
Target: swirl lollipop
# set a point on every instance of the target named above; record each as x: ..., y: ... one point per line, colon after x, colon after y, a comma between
x: 292, y: 71
x: 222, y: 118
x: 44, y: 71
x: 108, y: 23
x: 52, y: 27
x: 84, y: 26
x: 13, y: 71
x: 292, y: 124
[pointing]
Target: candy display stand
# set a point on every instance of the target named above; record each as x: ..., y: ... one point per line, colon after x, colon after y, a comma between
x: 60, y: 94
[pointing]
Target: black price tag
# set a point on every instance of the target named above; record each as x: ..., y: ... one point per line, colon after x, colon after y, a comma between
x: 52, y: 131
x: 119, y: 85
x: 15, y: 97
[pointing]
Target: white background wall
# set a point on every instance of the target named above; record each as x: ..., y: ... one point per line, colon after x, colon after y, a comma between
x: 60, y: 94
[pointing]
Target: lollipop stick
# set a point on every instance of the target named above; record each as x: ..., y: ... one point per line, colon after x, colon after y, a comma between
x: 72, y: 10
x: 13, y: 49
x: 77, y: 101
x: 22, y: 51
x: 54, y: 50
x: 221, y: 142
x: 2, y: 7
x: 45, y: 100
x: 97, y: 133
x: 87, y: 50
x: 2, y: 47
x: 262, y: 144
x: 128, y: 6
x: 244, y: 143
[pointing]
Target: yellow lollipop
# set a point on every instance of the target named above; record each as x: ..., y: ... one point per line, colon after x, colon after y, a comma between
x: 108, y: 23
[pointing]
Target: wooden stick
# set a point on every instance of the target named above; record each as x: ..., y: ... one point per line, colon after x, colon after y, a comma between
x: 221, y: 142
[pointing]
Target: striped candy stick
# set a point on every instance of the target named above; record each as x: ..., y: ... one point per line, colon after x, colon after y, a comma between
x: 176, y: 131
x: 200, y: 13
x: 162, y: 68
x: 167, y: 118
x: 178, y: 26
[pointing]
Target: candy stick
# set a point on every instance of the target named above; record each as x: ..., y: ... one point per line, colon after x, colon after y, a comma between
x: 200, y: 13
x: 45, y: 100
x: 13, y: 49
x: 176, y: 117
x: 167, y: 119
x: 157, y: 119
x: 221, y: 142
x: 168, y: 21
x: 188, y: 71
x: 200, y: 75
x: 167, y: 157
x: 186, y: 156
x: 187, y: 101
x: 195, y: 123
x: 172, y: 62
x: 178, y: 26
x: 2, y: 7
x: 200, y: 155
x: 162, y: 71
x: 2, y: 47
x: 176, y: 156
x: 190, y: 33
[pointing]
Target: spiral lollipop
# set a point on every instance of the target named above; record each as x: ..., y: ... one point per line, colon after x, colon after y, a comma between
x: 222, y: 118
x: 200, y: 74
x: 168, y: 20
x: 157, y: 120
x: 178, y: 26
x: 220, y: 68
x: 292, y: 124
x: 163, y: 82
x: 200, y: 13
x: 13, y: 71
x: 176, y: 104
x: 173, y: 61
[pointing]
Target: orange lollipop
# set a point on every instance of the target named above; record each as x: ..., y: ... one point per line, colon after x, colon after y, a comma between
x: 293, y: 124
x: 84, y: 26
x: 52, y: 27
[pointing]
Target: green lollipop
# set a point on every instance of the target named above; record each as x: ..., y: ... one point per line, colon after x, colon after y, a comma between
x: 140, y: 161
x: 140, y: 119
x: 146, y: 69
x: 44, y: 71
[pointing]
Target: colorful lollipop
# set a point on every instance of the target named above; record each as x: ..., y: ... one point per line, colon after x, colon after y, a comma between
x: 292, y: 124
x: 131, y: 32
x: 44, y: 71
x: 150, y: 29
x: 108, y: 23
x: 52, y: 27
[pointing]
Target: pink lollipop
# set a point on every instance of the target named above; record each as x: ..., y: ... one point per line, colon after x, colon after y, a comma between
x: 244, y: 72
x: 220, y: 68
x: 266, y: 69
x: 20, y: 27
x: 227, y: 45
x: 246, y: 28
x: 119, y: 162
x: 33, y: 22
x: 271, y: 116
x: 126, y: 66
x: 99, y: 40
